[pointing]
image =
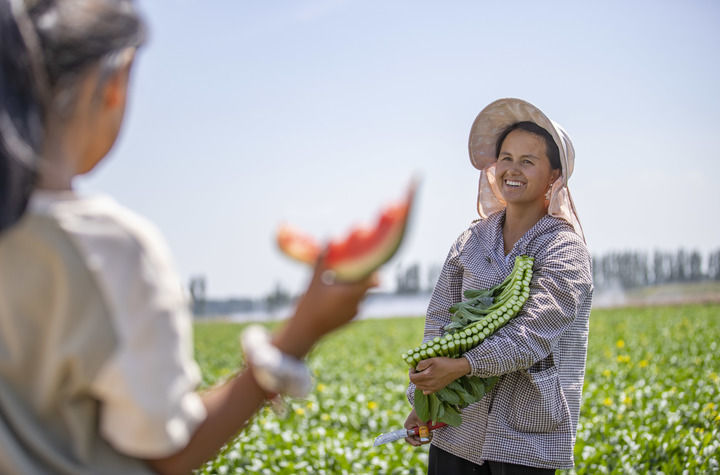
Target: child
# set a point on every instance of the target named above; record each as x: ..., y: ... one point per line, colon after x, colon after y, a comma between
x: 96, y: 368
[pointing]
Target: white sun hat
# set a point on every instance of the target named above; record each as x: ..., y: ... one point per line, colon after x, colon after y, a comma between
x: 490, y: 123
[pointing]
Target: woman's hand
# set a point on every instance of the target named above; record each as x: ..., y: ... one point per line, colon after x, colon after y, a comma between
x: 325, y: 306
x: 411, y: 422
x: 433, y: 374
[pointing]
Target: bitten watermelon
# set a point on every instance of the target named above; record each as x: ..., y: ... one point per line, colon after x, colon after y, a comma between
x: 362, y: 251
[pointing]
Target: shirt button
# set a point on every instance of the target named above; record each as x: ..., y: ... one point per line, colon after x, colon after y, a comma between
x: 488, y: 259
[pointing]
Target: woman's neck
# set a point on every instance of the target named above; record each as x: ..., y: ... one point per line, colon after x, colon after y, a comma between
x: 518, y: 221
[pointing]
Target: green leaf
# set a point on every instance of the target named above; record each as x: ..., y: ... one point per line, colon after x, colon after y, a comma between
x: 475, y: 293
x: 422, y: 408
x: 448, y: 395
x: 451, y: 416
x: 490, y: 383
x: 476, y: 386
x: 434, y: 404
x: 440, y: 410
x: 465, y: 396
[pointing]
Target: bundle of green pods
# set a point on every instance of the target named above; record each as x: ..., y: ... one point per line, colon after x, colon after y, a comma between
x: 473, y: 320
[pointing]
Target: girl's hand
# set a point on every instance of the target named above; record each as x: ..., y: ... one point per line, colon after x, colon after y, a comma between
x: 411, y: 422
x: 433, y: 374
x: 325, y: 306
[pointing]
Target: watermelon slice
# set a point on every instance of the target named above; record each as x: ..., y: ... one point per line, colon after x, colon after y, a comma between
x: 362, y: 251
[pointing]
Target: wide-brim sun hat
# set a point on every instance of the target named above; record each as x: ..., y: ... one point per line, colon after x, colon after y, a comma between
x: 489, y: 124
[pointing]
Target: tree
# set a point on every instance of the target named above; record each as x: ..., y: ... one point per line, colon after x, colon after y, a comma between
x: 197, y: 287
x: 713, y: 271
x: 279, y: 297
x: 408, y: 280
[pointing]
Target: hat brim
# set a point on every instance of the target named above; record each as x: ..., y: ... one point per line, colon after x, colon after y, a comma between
x: 498, y: 116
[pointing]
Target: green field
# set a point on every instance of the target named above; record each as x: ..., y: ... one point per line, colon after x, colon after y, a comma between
x: 651, y: 401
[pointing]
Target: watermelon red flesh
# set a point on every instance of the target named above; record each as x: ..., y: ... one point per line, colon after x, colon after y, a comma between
x: 299, y: 246
x: 363, y: 251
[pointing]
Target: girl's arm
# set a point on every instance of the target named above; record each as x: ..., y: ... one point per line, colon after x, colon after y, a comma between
x: 229, y: 407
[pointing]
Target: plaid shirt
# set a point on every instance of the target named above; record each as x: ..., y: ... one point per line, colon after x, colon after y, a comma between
x: 530, y: 417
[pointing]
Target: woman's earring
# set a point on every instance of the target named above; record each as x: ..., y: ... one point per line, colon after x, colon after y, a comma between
x: 548, y: 193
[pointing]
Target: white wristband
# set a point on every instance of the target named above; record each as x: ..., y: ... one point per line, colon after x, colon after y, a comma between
x: 273, y: 370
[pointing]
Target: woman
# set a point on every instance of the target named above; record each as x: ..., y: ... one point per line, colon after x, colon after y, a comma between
x: 528, y: 422
x: 96, y: 368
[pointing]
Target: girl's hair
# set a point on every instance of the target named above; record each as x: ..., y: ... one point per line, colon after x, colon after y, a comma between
x: 551, y: 148
x: 45, y: 47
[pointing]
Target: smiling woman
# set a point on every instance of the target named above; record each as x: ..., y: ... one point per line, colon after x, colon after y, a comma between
x: 527, y: 423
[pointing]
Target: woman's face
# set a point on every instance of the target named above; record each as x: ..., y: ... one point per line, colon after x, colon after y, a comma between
x: 523, y: 169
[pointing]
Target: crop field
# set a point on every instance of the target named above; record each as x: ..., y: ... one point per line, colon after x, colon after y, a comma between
x: 651, y: 400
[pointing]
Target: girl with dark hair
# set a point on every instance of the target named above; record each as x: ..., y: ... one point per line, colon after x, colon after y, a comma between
x: 96, y: 367
x: 527, y: 423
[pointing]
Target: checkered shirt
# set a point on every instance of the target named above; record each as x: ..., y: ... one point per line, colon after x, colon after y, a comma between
x: 531, y: 415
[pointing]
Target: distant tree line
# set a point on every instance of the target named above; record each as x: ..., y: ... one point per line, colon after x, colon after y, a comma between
x: 624, y: 269
x: 629, y: 269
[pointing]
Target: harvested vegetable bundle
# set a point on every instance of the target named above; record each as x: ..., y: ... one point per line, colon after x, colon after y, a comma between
x: 473, y: 320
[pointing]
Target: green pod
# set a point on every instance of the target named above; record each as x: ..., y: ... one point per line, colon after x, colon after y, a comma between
x: 431, y: 353
x: 423, y: 354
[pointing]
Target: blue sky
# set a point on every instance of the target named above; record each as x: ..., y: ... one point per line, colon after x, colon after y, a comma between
x: 247, y: 114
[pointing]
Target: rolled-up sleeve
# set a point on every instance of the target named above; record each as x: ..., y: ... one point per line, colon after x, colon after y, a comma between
x: 561, y: 282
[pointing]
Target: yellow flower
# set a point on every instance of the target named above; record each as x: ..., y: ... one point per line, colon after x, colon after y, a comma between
x: 714, y: 376
x: 620, y: 344
x: 321, y: 387
x: 627, y: 400
x: 325, y: 417
x: 606, y: 373
x: 643, y: 363
x: 623, y: 358
x: 709, y: 407
x: 299, y: 411
x: 607, y: 401
x: 310, y: 405
x: 372, y: 405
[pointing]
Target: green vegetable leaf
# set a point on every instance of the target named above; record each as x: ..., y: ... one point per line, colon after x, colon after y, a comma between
x: 434, y: 404
x: 465, y: 396
x: 422, y: 408
x: 451, y: 416
x: 476, y: 386
x: 448, y: 395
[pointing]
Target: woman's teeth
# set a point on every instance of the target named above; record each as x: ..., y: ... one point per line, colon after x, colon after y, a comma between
x: 513, y: 183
